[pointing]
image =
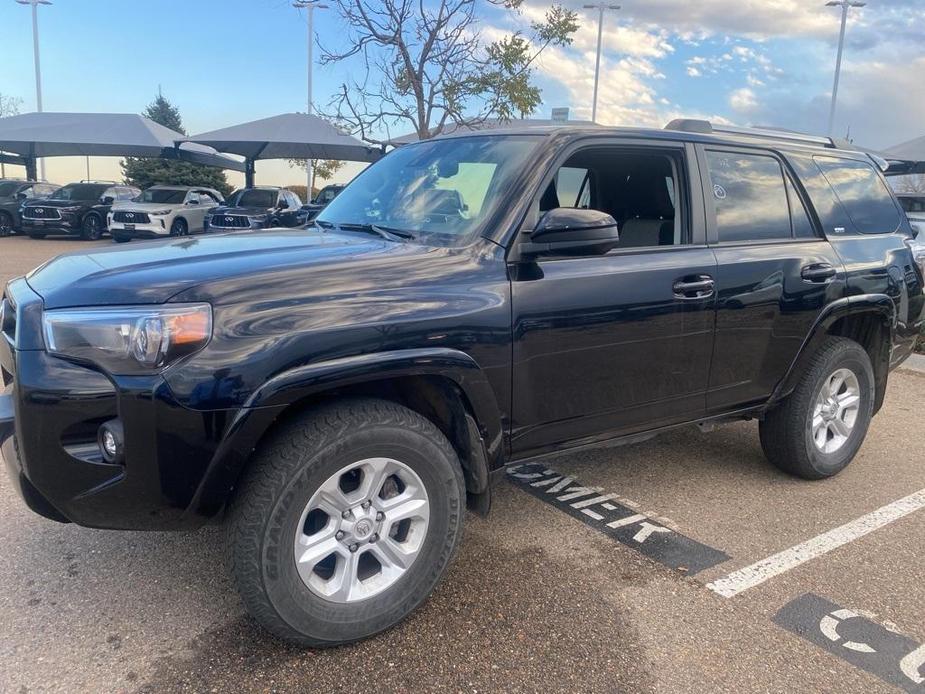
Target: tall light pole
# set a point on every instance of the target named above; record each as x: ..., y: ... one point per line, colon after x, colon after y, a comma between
x: 597, y: 63
x: 38, y: 68
x: 845, y: 5
x: 309, y: 6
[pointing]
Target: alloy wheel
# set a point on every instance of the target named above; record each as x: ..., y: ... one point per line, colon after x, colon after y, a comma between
x: 835, y: 413
x: 362, y: 530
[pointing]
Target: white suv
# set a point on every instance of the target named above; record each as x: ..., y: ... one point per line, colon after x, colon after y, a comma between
x: 162, y: 211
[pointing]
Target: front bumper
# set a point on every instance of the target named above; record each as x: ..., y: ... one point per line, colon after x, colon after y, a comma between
x: 65, y: 225
x: 51, y: 410
x: 152, y: 230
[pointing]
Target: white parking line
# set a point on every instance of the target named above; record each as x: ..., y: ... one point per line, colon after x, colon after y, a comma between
x: 761, y: 571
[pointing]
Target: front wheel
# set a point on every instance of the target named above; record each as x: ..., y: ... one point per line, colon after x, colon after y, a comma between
x: 6, y: 224
x: 92, y: 228
x: 179, y: 227
x: 820, y: 427
x: 347, y: 519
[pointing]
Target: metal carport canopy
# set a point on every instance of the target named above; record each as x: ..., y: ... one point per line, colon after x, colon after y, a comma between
x: 911, y: 154
x: 286, y: 136
x: 32, y: 135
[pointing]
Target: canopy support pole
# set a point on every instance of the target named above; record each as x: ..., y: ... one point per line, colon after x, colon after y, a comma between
x: 31, y: 168
x: 249, y: 173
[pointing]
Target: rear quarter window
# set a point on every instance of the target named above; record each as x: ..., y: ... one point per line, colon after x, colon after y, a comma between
x: 862, y: 193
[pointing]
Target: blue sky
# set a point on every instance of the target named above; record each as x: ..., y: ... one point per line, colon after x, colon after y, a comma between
x: 747, y: 61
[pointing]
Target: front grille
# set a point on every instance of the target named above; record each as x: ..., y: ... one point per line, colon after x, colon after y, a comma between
x: 131, y: 217
x: 8, y: 318
x: 41, y: 213
x: 230, y: 221
x: 8, y: 328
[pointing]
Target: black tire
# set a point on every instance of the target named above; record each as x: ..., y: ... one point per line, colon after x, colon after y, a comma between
x: 6, y: 224
x: 91, y: 228
x: 179, y: 227
x: 35, y: 235
x: 786, y: 431
x: 286, y: 472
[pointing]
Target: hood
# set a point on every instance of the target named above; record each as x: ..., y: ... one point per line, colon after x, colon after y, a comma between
x: 145, y: 206
x: 60, y: 203
x: 248, y: 211
x: 147, y: 273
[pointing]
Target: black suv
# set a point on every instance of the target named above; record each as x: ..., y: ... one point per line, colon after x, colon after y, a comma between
x: 325, y: 195
x: 256, y: 208
x: 339, y: 395
x: 77, y: 209
x: 14, y: 193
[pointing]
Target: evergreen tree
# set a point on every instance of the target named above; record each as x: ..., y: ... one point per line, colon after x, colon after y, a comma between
x: 144, y: 172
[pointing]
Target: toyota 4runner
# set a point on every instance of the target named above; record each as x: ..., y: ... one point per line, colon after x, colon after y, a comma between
x: 339, y: 395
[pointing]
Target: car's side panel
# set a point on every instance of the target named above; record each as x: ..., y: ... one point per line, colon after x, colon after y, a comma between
x: 766, y: 301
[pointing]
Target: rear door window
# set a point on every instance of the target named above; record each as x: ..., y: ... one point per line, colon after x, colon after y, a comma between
x: 862, y: 193
x: 749, y: 196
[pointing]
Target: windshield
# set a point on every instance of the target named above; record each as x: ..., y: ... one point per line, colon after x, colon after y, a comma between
x: 162, y: 195
x: 912, y: 203
x: 255, y: 197
x: 7, y: 189
x: 442, y: 189
x: 78, y: 191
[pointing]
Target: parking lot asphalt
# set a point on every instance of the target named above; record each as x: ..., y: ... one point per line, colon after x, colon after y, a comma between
x: 542, y: 596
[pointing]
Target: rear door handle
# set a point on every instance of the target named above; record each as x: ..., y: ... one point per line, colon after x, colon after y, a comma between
x: 696, y: 287
x: 818, y: 272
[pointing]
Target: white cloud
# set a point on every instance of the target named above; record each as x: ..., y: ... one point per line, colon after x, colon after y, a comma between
x: 743, y: 100
x: 693, y: 72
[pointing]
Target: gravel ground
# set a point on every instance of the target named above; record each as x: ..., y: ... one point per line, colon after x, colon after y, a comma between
x: 536, y: 600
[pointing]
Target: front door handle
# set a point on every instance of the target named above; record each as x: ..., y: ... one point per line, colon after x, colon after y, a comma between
x: 818, y: 272
x: 695, y: 287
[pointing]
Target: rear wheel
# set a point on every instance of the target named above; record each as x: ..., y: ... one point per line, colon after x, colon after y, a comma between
x: 36, y: 235
x: 820, y: 427
x: 92, y: 228
x: 346, y: 520
x: 179, y: 227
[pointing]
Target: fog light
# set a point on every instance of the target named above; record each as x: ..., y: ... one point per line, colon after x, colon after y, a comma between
x: 110, y: 440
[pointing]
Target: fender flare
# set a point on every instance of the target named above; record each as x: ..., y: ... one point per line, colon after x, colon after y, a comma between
x: 251, y: 422
x: 876, y: 304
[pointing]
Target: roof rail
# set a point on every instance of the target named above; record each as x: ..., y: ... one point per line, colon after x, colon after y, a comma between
x: 693, y: 125
x: 98, y: 180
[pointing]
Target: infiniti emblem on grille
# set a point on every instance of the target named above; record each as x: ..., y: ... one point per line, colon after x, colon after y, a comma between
x: 229, y: 219
x: 40, y: 210
x: 130, y: 215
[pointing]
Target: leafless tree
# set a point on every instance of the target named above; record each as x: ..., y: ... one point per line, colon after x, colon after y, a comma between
x: 427, y: 65
x: 9, y: 105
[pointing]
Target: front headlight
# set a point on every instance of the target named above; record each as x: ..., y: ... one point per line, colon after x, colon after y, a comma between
x: 131, y: 339
x: 160, y: 213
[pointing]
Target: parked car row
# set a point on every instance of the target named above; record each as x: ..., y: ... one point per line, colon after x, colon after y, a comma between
x: 89, y: 209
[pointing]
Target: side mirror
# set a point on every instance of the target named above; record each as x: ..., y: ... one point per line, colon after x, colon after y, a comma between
x: 572, y: 231
x: 193, y: 201
x: 21, y: 196
x: 283, y: 205
x: 108, y: 200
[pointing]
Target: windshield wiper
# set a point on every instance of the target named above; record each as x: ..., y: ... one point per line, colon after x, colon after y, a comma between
x: 385, y: 232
